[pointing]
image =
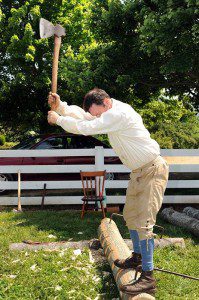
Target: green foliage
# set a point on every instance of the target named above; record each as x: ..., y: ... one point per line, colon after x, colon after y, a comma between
x: 130, y: 48
x: 147, y: 46
x: 8, y: 145
x: 170, y: 123
x: 26, y: 60
x: 2, y: 139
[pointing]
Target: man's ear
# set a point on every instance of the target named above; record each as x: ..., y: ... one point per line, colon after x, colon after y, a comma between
x: 106, y: 101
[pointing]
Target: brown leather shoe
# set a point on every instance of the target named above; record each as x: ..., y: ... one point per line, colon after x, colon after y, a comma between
x: 145, y: 284
x: 131, y: 262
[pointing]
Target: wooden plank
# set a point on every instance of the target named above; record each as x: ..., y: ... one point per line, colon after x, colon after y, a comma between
x: 46, y: 169
x: 175, y: 184
x: 163, y: 152
x: 87, y: 152
x: 180, y: 199
x: 188, y: 199
x: 51, y: 200
x: 111, y: 184
x: 183, y: 168
x: 179, y: 152
x: 47, y: 153
x: 77, y: 168
x: 172, y: 168
x: 192, y: 160
x: 39, y: 185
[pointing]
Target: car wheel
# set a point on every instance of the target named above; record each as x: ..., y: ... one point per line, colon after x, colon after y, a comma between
x: 5, y: 177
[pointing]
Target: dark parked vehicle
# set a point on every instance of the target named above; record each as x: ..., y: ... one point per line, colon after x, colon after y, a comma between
x: 56, y: 141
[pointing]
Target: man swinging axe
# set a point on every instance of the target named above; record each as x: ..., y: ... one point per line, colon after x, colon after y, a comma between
x: 138, y: 151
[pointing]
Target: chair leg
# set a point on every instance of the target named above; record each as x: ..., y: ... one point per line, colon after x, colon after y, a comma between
x: 102, y: 207
x: 83, y: 210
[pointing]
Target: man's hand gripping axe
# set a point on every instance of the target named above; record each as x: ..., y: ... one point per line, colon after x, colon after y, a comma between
x: 47, y: 29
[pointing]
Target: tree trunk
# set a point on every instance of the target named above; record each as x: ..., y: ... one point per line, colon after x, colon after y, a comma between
x: 181, y: 219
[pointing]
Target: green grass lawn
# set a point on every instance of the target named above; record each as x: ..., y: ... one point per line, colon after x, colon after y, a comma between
x: 63, y: 275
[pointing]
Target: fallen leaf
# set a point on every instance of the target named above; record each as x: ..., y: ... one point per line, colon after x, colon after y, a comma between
x: 33, y: 267
x: 16, y: 260
x: 77, y: 252
x: 58, y: 288
x: 12, y: 276
x: 91, y: 259
x: 96, y: 278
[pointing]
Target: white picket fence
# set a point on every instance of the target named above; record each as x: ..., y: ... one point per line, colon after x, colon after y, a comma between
x: 180, y: 161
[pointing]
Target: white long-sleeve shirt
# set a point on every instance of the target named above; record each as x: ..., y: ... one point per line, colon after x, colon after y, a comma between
x: 127, y: 134
x: 73, y: 111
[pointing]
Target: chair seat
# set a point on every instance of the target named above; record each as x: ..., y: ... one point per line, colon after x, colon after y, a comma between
x: 94, y: 198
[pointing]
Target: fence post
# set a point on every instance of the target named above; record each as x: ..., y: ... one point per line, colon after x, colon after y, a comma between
x: 99, y: 158
x: 19, y: 191
x: 99, y: 165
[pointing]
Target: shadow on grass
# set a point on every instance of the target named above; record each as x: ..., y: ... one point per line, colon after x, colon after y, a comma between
x: 108, y: 288
x: 64, y: 224
x: 67, y: 224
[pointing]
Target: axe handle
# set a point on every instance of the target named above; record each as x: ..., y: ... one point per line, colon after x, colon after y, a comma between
x: 57, y: 45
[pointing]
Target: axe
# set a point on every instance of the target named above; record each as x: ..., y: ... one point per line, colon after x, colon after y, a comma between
x: 47, y: 29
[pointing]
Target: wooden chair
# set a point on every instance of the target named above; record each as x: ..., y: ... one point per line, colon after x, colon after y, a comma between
x: 93, y: 188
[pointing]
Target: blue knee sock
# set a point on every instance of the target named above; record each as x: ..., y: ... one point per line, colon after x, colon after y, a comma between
x: 147, y: 254
x: 136, y: 241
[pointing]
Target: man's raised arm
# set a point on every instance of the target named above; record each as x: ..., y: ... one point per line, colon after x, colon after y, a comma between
x: 63, y: 109
x: 108, y: 122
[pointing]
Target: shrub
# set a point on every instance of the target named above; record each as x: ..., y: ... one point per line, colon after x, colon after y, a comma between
x: 2, y: 140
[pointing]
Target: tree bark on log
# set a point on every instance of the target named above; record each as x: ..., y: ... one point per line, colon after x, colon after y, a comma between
x: 191, y: 212
x: 115, y: 248
x: 181, y: 219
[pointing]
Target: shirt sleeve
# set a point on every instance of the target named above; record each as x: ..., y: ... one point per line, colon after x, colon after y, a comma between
x: 73, y: 111
x: 68, y: 124
x: 62, y: 108
x: 108, y: 122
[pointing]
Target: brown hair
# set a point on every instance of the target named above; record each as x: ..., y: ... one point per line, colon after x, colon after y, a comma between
x: 95, y: 96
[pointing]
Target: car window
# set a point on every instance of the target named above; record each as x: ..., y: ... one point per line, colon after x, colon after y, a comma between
x: 82, y: 142
x: 73, y: 143
x: 27, y: 144
x: 51, y: 143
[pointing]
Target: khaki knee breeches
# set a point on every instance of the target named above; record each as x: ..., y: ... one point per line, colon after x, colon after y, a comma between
x: 144, y: 196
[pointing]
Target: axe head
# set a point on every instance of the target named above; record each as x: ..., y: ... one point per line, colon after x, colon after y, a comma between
x: 47, y: 29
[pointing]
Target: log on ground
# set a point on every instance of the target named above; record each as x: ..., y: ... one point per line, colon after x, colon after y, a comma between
x: 162, y: 243
x: 181, y: 219
x: 115, y: 248
x: 191, y: 212
x: 92, y: 244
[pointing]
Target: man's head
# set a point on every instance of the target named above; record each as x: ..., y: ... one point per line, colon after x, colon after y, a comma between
x: 96, y: 102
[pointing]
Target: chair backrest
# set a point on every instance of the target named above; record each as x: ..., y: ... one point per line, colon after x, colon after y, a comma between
x: 93, y: 183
